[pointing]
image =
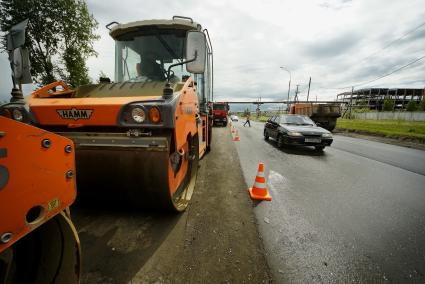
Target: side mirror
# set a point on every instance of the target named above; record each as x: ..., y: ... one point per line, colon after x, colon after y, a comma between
x: 196, y: 46
x: 18, y: 55
x: 16, y: 36
x: 21, y: 66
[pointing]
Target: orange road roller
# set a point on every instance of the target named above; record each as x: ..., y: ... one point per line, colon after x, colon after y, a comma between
x: 138, y: 137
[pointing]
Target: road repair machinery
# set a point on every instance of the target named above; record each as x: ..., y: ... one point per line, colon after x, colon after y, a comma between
x: 220, y: 111
x: 323, y: 114
x: 138, y: 139
x: 38, y: 242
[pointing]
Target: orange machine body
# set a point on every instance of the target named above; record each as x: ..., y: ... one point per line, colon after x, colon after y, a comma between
x: 36, y: 178
x: 104, y: 111
x: 139, y: 138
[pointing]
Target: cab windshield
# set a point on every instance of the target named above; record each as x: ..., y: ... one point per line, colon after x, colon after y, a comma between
x: 220, y: 107
x: 147, y: 56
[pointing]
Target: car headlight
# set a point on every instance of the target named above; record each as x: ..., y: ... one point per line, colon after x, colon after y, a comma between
x: 138, y: 114
x: 295, y: 134
x: 327, y: 135
x: 17, y: 114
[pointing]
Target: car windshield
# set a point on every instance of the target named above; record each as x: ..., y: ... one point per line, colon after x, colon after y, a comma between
x: 147, y: 56
x: 296, y: 120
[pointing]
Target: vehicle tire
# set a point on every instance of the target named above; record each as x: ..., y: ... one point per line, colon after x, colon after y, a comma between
x: 209, y: 138
x: 331, y: 124
x: 280, y: 142
x: 180, y: 199
x: 266, y: 137
x: 49, y: 254
x: 319, y: 148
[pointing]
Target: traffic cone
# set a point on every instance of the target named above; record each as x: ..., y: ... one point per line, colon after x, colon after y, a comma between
x: 259, y: 191
x: 236, y: 138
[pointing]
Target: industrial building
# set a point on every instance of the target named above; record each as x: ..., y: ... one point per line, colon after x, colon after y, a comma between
x: 373, y: 98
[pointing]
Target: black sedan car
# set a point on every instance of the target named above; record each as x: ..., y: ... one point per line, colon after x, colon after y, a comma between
x: 290, y: 129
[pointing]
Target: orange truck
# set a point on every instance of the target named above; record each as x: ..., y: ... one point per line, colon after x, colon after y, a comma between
x: 138, y: 139
x: 220, y: 113
x: 38, y: 241
x: 323, y: 114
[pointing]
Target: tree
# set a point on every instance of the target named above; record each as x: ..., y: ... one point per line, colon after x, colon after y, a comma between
x: 422, y: 104
x: 59, y: 38
x: 412, y: 106
x: 246, y: 112
x: 388, y: 105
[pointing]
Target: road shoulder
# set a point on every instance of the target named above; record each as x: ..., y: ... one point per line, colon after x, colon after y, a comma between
x: 409, y: 143
x: 216, y: 240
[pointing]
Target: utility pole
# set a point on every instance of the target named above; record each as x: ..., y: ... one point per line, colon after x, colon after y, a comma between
x: 351, y: 102
x: 258, y: 107
x: 296, y: 94
x: 308, y: 93
x: 289, y: 84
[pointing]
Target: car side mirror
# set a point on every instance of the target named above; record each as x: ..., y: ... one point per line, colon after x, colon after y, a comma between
x: 196, y: 49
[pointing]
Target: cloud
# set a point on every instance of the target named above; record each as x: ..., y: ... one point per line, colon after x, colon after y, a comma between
x: 327, y: 40
x: 332, y: 47
x: 335, y: 4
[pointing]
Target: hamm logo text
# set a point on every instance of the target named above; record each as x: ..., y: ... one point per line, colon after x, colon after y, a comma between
x: 75, y: 113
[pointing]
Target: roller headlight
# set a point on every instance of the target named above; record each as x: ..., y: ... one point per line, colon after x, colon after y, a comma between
x: 154, y: 115
x: 17, y: 114
x: 327, y: 135
x: 138, y: 114
x: 294, y: 134
x: 5, y: 112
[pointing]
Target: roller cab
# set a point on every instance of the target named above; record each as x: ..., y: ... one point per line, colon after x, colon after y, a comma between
x: 138, y: 139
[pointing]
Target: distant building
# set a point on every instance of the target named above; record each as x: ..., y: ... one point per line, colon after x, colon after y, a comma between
x: 373, y: 98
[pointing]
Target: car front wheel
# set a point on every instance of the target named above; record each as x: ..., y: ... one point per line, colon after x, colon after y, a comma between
x: 319, y: 148
x: 266, y: 136
x: 280, y: 142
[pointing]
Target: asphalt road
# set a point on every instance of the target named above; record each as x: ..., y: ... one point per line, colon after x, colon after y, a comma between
x: 354, y: 213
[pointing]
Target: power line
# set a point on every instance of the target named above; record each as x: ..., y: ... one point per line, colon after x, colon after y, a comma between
x: 376, y: 52
x: 382, y: 76
x: 394, y: 41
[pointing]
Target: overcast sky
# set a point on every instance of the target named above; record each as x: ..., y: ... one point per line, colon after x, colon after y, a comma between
x: 339, y: 43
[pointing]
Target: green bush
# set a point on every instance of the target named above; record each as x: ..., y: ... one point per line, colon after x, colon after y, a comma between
x: 388, y: 105
x: 412, y: 106
x: 422, y: 105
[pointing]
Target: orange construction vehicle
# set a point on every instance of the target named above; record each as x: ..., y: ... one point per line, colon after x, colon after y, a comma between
x: 220, y: 113
x: 139, y: 138
x: 324, y: 114
x: 38, y: 242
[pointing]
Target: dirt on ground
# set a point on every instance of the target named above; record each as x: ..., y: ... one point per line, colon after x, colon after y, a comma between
x: 214, y: 241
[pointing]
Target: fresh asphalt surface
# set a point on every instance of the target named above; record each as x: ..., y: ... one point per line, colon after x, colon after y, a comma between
x: 354, y: 213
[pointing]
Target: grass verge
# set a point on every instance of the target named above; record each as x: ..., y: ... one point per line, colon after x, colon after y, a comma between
x: 388, y: 128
